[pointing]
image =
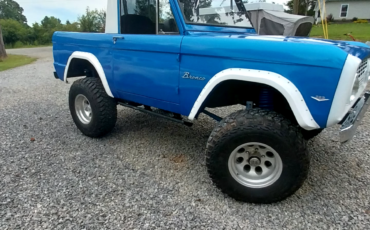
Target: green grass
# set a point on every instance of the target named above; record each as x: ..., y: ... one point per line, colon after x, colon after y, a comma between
x: 14, y: 61
x: 19, y: 46
x: 360, y: 31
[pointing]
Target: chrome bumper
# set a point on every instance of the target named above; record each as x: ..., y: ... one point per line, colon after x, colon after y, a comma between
x: 353, y: 118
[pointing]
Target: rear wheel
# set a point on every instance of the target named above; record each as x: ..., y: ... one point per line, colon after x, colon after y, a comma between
x: 257, y: 156
x: 92, y: 110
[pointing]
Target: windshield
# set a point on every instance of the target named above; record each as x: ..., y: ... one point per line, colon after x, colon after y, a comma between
x: 213, y: 12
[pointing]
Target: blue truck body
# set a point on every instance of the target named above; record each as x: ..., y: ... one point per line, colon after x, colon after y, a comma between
x: 148, y: 69
x: 292, y: 88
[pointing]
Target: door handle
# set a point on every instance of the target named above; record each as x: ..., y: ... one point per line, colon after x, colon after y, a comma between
x: 116, y: 38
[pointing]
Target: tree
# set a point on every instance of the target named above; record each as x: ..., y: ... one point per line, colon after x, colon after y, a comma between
x: 306, y: 7
x: 13, y: 31
x: 3, y: 54
x: 49, y: 26
x: 43, y: 32
x: 92, y: 20
x: 51, y: 23
x: 71, y: 27
x: 9, y: 9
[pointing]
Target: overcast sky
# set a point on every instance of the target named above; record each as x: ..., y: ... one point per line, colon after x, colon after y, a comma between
x: 36, y: 10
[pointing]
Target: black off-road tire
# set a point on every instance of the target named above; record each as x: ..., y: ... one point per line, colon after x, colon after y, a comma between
x: 103, y: 107
x: 266, y: 127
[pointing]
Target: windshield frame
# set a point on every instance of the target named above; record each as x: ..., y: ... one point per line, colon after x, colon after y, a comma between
x: 216, y: 27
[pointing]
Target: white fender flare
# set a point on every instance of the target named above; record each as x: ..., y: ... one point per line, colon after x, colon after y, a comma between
x: 95, y: 62
x: 280, y: 83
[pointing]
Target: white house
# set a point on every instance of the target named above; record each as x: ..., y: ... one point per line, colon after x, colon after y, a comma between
x: 347, y: 9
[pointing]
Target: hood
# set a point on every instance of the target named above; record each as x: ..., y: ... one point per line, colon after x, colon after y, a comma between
x: 357, y: 49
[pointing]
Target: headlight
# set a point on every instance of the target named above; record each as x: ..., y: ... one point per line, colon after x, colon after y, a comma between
x: 361, y: 78
x: 355, y: 89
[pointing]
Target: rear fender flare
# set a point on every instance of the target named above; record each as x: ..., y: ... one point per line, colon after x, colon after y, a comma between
x: 280, y: 83
x: 94, y: 62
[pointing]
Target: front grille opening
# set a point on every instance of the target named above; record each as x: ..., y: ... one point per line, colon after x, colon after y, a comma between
x: 362, y: 69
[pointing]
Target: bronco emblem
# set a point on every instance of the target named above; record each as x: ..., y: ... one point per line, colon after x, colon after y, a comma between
x: 187, y: 75
x: 320, y: 98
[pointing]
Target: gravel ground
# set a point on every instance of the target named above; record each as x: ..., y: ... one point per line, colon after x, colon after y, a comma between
x: 41, y: 52
x: 150, y: 173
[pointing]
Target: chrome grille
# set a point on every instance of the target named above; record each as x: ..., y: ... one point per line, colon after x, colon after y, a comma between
x: 363, y: 70
x: 363, y: 74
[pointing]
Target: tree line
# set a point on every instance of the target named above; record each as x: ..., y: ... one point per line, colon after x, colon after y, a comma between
x: 16, y: 32
x: 305, y: 7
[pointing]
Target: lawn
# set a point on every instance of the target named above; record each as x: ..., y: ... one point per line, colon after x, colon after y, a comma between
x: 22, y: 46
x: 14, y: 61
x: 360, y: 31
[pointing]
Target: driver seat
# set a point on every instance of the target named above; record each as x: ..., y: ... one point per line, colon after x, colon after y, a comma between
x: 136, y: 24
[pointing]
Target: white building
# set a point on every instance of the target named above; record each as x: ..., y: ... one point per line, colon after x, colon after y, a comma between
x: 347, y: 9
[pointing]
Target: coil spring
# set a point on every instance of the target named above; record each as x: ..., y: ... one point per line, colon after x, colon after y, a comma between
x: 266, y: 98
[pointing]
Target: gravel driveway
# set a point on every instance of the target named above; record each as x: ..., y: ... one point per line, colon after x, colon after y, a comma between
x: 149, y: 173
x: 42, y: 52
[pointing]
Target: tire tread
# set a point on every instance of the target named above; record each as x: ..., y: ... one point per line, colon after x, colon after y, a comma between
x: 262, y: 120
x: 107, y: 106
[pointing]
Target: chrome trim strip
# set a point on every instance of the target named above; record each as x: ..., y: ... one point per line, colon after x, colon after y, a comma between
x: 157, y: 17
x: 353, y: 119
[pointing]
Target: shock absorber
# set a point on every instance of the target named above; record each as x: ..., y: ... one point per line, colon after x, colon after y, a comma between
x: 266, y: 98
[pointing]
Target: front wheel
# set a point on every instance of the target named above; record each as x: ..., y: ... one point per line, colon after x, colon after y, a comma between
x: 257, y: 156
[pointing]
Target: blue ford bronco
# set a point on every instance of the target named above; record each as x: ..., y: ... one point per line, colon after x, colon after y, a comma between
x: 164, y: 58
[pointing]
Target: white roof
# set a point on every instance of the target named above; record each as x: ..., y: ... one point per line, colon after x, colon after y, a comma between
x: 248, y: 7
x: 264, y: 6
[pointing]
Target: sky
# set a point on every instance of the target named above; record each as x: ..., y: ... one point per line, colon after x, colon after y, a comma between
x: 36, y: 10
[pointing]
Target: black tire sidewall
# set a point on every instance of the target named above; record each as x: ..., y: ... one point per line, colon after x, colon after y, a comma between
x: 76, y: 90
x: 290, y: 178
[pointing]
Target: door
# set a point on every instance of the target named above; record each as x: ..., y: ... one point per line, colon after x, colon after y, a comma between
x: 146, y: 53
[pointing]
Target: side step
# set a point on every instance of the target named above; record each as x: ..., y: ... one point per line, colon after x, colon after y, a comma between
x: 148, y: 110
x: 212, y: 115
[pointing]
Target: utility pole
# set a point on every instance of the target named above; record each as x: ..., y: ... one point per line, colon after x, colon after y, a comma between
x: 295, y: 6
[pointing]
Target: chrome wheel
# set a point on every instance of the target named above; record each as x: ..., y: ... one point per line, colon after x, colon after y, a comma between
x: 255, y: 165
x: 83, y: 109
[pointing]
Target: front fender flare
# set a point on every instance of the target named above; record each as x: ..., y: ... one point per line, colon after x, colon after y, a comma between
x: 280, y: 83
x: 94, y: 62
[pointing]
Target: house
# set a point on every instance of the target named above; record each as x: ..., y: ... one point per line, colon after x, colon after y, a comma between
x: 344, y: 9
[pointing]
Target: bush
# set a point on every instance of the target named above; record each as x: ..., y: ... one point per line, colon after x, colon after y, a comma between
x: 354, y: 19
x: 361, y: 21
x: 330, y: 18
x: 18, y: 44
x: 344, y: 19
